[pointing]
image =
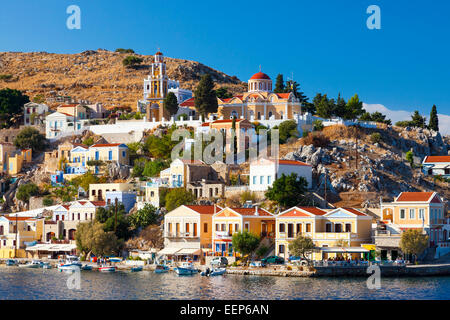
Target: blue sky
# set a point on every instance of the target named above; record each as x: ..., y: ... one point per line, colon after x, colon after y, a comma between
x: 325, y: 44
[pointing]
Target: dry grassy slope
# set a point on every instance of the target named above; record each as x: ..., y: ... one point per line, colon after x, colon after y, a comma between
x: 98, y: 76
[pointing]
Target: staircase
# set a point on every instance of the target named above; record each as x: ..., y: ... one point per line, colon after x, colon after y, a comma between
x: 266, y: 242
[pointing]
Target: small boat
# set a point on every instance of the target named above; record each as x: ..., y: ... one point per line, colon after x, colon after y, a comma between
x: 46, y: 265
x: 86, y: 267
x: 161, y: 268
x: 213, y: 272
x: 33, y: 264
x: 137, y: 269
x: 107, y: 269
x: 11, y: 262
x: 114, y: 259
x: 187, y: 268
x: 68, y: 268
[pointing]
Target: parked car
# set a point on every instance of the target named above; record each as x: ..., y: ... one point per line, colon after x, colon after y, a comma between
x: 220, y: 262
x: 298, y: 261
x: 273, y: 260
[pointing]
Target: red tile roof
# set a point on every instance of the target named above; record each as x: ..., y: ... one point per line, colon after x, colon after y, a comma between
x: 283, y: 95
x: 357, y: 212
x: 101, y: 145
x: 208, y: 209
x: 296, y: 213
x: 414, y: 196
x: 293, y: 163
x: 227, y: 121
x: 67, y: 106
x: 13, y: 218
x: 432, y: 159
x: 260, y: 76
x: 251, y: 211
x: 188, y: 103
x: 99, y: 203
x: 66, y: 114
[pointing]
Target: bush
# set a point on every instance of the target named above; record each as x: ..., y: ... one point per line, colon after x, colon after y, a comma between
x: 121, y: 50
x: 88, y: 141
x: 261, y: 252
x: 47, y: 201
x: 375, y: 137
x: 318, y: 125
x: 30, y: 138
x: 131, y: 61
x: 26, y: 191
x: 5, y: 76
x: 318, y: 139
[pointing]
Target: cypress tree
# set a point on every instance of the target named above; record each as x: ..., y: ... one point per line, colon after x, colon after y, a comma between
x: 279, y: 84
x: 171, y: 103
x: 434, y: 121
x: 205, y: 96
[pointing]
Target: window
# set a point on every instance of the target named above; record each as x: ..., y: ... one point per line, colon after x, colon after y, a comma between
x: 402, y: 213
x: 299, y: 228
x: 308, y: 227
x: 124, y: 154
x: 254, y: 179
x: 338, y: 227
x: 281, y: 248
x: 217, y: 227
x: 205, y: 227
x: 412, y: 213
x: 236, y: 227
x: 269, y: 179
x: 195, y: 229
x: 187, y: 228
x: 261, y: 180
x: 223, y: 227
x: 328, y: 227
x: 57, y: 217
x: 110, y: 155
x: 246, y: 226
x: 282, y: 227
x: 348, y: 227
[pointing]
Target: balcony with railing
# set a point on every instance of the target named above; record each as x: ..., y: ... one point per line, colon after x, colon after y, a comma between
x: 174, y: 235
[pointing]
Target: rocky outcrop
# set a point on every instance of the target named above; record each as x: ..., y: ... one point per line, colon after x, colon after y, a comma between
x: 118, y: 171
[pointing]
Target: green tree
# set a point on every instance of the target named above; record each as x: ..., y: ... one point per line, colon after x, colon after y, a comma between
x: 88, y: 141
x: 410, y: 158
x: 11, y: 103
x: 26, y: 191
x: 92, y: 238
x: 222, y: 93
x: 171, y: 103
x: 144, y: 217
x: 85, y: 180
x: 178, y: 197
x: 302, y: 246
x: 434, y: 120
x: 287, y: 129
x: 153, y: 168
x: 30, y: 138
x: 121, y: 50
x: 287, y: 190
x: 39, y: 98
x: 413, y: 242
x: 279, y: 84
x: 325, y: 108
x: 317, y: 125
x: 245, y: 243
x: 417, y: 120
x: 131, y: 61
x: 117, y: 223
x: 340, y: 107
x: 205, y: 96
x: 354, y: 108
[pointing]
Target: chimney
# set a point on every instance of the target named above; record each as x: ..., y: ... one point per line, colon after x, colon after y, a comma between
x: 256, y: 210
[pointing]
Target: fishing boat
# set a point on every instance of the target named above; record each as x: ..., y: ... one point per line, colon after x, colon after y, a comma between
x: 213, y: 272
x: 137, y: 269
x: 186, y: 268
x: 33, y: 264
x: 107, y: 269
x: 86, y: 267
x: 11, y: 262
x: 161, y: 268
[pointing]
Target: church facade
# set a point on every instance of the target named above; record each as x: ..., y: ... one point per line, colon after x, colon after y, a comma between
x: 258, y: 103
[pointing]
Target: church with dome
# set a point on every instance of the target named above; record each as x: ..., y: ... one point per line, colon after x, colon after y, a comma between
x: 258, y: 103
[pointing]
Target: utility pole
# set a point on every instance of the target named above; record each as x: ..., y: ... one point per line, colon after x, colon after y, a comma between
x: 356, y: 150
x: 115, y: 219
x: 325, y: 191
x: 15, y: 247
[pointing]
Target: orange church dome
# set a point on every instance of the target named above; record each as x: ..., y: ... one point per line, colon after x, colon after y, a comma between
x: 260, y: 76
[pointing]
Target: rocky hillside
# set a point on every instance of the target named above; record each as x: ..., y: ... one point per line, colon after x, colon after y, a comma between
x: 97, y: 76
x: 360, y: 171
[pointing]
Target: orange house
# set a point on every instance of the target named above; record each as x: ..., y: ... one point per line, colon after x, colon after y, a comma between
x: 232, y: 220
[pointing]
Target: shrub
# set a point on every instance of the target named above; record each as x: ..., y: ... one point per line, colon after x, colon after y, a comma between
x: 5, y: 76
x: 121, y: 50
x: 261, y: 252
x: 318, y: 139
x: 25, y: 191
x: 88, y: 141
x: 131, y: 61
x: 375, y: 137
x: 318, y: 125
x: 248, y: 196
x: 30, y: 138
x: 47, y: 201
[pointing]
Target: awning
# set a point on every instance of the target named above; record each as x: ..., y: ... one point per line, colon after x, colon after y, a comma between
x: 52, y: 247
x: 344, y: 249
x: 189, y: 251
x: 168, y: 251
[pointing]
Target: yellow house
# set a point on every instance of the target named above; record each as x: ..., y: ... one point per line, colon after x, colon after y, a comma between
x: 97, y: 191
x: 231, y: 220
x: 333, y: 232
x: 20, y: 229
x: 16, y: 161
x: 418, y: 210
x: 188, y: 230
x: 107, y: 152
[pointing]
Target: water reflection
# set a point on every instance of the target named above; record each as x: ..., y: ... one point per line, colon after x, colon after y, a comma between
x: 18, y: 283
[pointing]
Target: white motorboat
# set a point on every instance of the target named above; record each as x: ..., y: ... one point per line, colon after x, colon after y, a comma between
x: 33, y: 264
x: 186, y: 268
x: 11, y: 262
x: 213, y: 272
x: 68, y: 268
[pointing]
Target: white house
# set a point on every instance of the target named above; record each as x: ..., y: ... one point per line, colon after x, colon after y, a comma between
x: 59, y: 124
x: 264, y: 172
x: 33, y: 108
x: 436, y: 165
